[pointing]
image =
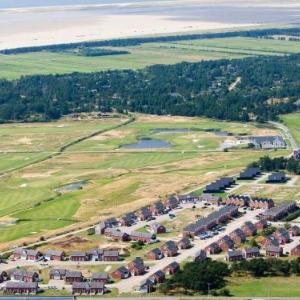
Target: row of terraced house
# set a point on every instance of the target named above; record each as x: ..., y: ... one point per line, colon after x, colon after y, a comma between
x: 57, y: 255
x: 146, y: 213
x: 222, y: 215
x: 248, y: 201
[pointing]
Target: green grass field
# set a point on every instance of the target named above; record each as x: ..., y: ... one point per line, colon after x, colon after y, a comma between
x: 14, y: 66
x: 265, y: 287
x: 47, y: 216
x: 292, y: 121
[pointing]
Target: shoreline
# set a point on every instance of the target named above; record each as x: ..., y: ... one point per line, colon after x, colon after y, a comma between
x: 114, y: 27
x: 154, y: 3
x: 50, y: 25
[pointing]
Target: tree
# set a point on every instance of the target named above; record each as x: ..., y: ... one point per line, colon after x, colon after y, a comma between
x: 258, y: 267
x: 91, y: 231
x: 202, y: 276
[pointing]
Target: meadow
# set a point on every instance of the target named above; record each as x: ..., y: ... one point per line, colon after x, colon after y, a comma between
x: 264, y: 287
x: 292, y: 121
x: 117, y: 180
x: 48, y: 137
x: 14, y: 66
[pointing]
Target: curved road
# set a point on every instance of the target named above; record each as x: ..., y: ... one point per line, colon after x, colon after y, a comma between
x: 287, y: 134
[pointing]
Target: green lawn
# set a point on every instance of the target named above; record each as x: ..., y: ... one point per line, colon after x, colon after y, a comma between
x: 47, y: 216
x: 143, y: 55
x: 292, y: 121
x: 11, y: 161
x: 265, y: 287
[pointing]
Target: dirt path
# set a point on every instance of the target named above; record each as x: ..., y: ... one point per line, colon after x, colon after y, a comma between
x: 234, y: 84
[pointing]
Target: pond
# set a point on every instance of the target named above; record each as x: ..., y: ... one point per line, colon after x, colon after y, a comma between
x: 148, y: 144
x: 221, y: 133
x: 75, y: 186
x: 171, y: 130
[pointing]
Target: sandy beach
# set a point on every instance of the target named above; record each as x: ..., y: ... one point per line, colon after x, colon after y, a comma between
x: 40, y: 25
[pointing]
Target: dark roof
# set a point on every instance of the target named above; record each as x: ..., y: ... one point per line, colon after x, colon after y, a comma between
x: 145, y: 211
x: 159, y: 206
x: 227, y: 240
x: 234, y: 253
x: 138, y: 263
x: 185, y: 241
x: 146, y: 235
x: 122, y: 270
x: 159, y: 273
x: 170, y: 245
x: 173, y: 265
x: 250, y: 172
x: 278, y: 176
x: 114, y: 232
x: 20, y: 284
x: 73, y: 274
x: 110, y: 253
x: 96, y: 251
x: 272, y: 248
x: 260, y: 140
x: 54, y: 253
x: 228, y: 209
x: 155, y: 251
x: 88, y: 285
x: 210, y: 197
x: 253, y: 250
x: 238, y: 232
x: 100, y: 275
x: 78, y: 253
x: 250, y: 225
x: 273, y: 241
x: 295, y: 228
x: 23, y: 273
x: 274, y: 211
x: 61, y: 272
x: 213, y: 245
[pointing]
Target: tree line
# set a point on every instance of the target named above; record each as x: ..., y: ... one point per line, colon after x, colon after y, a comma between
x: 260, y: 267
x: 188, y: 89
x: 262, y: 33
x: 268, y: 164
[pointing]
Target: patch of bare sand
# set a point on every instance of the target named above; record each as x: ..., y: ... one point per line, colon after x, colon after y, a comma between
x: 159, y: 119
x: 24, y: 141
x: 78, y: 158
x: 264, y: 131
x: 113, y: 134
x: 43, y: 174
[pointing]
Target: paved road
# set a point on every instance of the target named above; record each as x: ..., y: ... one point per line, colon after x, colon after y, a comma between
x: 288, y: 247
x: 127, y: 285
x: 287, y: 133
